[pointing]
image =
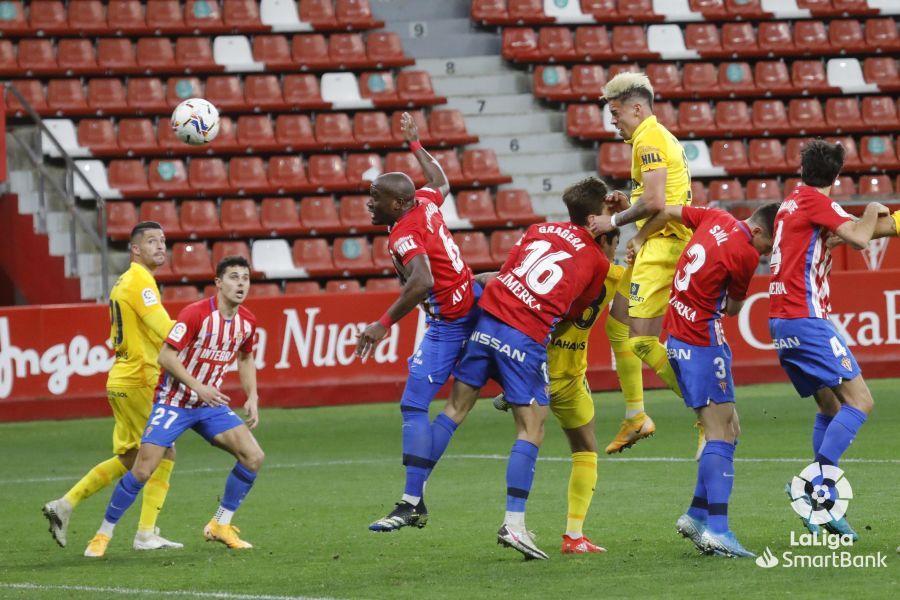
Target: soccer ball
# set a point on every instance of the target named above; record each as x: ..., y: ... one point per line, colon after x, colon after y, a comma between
x: 195, y: 121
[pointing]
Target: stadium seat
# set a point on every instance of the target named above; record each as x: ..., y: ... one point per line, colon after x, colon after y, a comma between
x: 844, y: 187
x: 77, y: 55
x: 843, y: 113
x: 8, y: 57
x: 327, y: 171
x: 775, y: 37
x: 195, y: 53
x: 364, y: 168
x: 847, y: 35
x: 880, y: 112
x: 526, y: 11
x: 286, y: 173
x: 700, y: 77
x: 585, y: 121
x: 665, y: 77
x: 876, y: 186
x: 851, y: 153
x: 191, y: 261
x: 635, y: 9
x: 405, y: 162
x: 294, y: 132
x: 263, y: 92
x: 666, y: 115
x: 615, y: 160
x: 37, y: 56
x: 226, y: 141
x: 474, y: 248
x: 318, y: 13
x: 169, y: 177
x: 353, y: 255
x: 279, y: 216
x: 696, y: 118
x: 347, y: 50
x: 725, y: 190
x: 731, y: 155
x: 792, y: 149
x: 264, y: 290
x: 744, y: 8
x: 766, y: 155
x: 301, y: 288
x: 165, y: 15
x: 354, y: 212
x: 255, y: 132
x: 67, y: 95
x: 47, y: 17
x: 630, y: 41
x: 556, y: 44
x: 274, y: 259
x: 475, y: 205
x: 805, y: 114
x: 704, y: 38
x: 809, y: 75
x: 137, y: 134
x: 130, y: 178
x: 602, y: 8
x: 770, y: 116
x: 273, y: 50
x: 181, y: 293
x: 200, y: 219
x: 342, y: 286
x: 127, y: 16
x: 502, y: 242
x: 310, y: 51
x: 381, y: 254
x: 208, y: 176
x: 32, y: 91
x: 155, y: 54
x: 314, y: 255
x: 480, y: 165
x: 202, y: 15
x: 515, y: 206
x: 772, y: 75
x: 225, y: 92
x: 121, y: 217
x: 520, y: 43
x: 98, y: 135
x: 372, y: 129
x: 333, y: 130
x: 415, y: 87
x: 882, y: 71
x: 240, y: 218
x: 383, y: 284
x: 146, y: 94
x: 384, y: 48
x: 449, y: 161
x: 489, y: 11
x: 763, y: 190
x: 811, y: 36
x: 319, y: 213
x: 179, y: 89
x: 378, y: 87
x: 739, y: 38
x: 95, y: 172
x: 736, y: 77
x: 881, y: 34
x: 14, y: 21
x: 698, y: 194
x: 248, y: 173
x: 356, y: 14
x: 551, y: 82
x: 230, y: 248
x: 164, y: 213
x: 592, y: 42
x: 877, y: 151
x: 587, y: 81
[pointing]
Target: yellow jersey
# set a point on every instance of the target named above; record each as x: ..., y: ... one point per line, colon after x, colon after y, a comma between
x: 896, y: 217
x: 138, y: 326
x: 653, y: 147
x: 567, y: 350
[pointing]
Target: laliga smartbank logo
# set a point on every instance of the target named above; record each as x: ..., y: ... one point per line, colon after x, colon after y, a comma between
x: 820, y: 494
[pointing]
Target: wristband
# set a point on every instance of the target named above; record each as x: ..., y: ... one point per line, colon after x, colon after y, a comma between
x: 386, y: 321
x: 612, y: 221
x: 415, y: 146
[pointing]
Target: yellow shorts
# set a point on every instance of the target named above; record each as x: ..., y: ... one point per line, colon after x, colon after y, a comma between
x: 651, y: 277
x: 571, y: 402
x: 131, y: 408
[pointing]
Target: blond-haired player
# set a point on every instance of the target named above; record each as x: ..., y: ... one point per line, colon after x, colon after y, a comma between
x: 659, y: 177
x: 138, y: 325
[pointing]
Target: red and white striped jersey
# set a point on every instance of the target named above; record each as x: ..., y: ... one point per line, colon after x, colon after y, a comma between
x: 801, y: 261
x: 207, y: 344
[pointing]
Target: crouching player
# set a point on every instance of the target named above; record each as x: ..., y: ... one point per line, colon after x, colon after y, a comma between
x: 572, y: 404
x: 201, y: 346
x: 712, y: 274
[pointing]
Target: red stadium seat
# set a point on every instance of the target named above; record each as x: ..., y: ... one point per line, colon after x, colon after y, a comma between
x: 255, y: 131
x: 347, y: 50
x: 104, y: 94
x: 766, y: 155
x: 7, y: 55
x: 319, y: 13
x: 208, y: 175
x: 263, y: 92
x: 520, y: 43
x: 552, y: 82
x: 772, y: 75
x: 405, y: 162
x: 700, y: 77
x: 137, y: 134
x: 319, y: 212
x: 556, y: 43
x: 882, y: 34
x: 623, y: 68
x: 746, y: 8
x: 703, y: 37
x: 806, y: 114
x: 584, y: 120
x: 527, y: 11
x: 47, y: 17
x: 362, y: 168
x: 314, y: 255
x: 146, y: 94
x: 155, y: 53
x: 494, y: 10
x: 418, y: 118
x: 194, y: 53
x: 770, y: 116
x: 164, y: 213
x: 666, y: 115
x: 630, y: 41
x: 327, y: 171
x: 502, y: 242
x: 739, y: 38
x: 354, y: 13
x: 333, y: 130
x: 415, y: 86
x: 287, y: 173
x: 67, y: 95
x: 383, y: 284
x: 876, y: 186
x: 354, y: 212
x: 592, y: 41
x: 14, y: 21
x: 353, y: 255
x: 880, y: 112
x: 811, y: 36
x: 385, y: 48
x: 695, y: 117
x: 301, y: 288
x: 37, y: 55
x: 264, y: 290
x: 775, y: 37
x: 844, y: 187
x: 181, y: 293
x: 843, y: 113
x: 127, y: 16
x: 98, y: 135
x: 192, y: 261
x: 698, y: 194
x: 200, y: 219
x: 736, y: 77
x: 165, y: 15
x: 76, y: 55
x: 128, y: 176
x: 225, y: 92
x: 168, y: 177
x: 230, y: 248
x: 730, y: 154
x: 226, y: 141
x: 809, y: 75
x: 877, y: 151
x: 605, y: 8
x: 449, y: 161
x: 733, y: 115
x: 763, y: 190
x: 379, y: 87
x: 851, y: 153
x: 381, y: 253
x: 792, y: 149
x: 310, y: 50
x: 32, y: 91
x: 121, y: 217
x: 474, y: 248
x: 514, y: 205
x: 615, y: 160
x: 725, y: 190
x: 202, y: 15
x: 587, y: 80
x: 847, y: 34
x: 665, y: 77
x: 294, y: 131
x: 247, y: 173
x: 182, y: 88
x: 881, y: 70
x: 635, y: 9
x: 372, y: 129
x: 241, y: 15
x: 342, y: 286
x: 280, y: 216
x: 240, y: 218
x: 481, y: 165
x: 475, y: 205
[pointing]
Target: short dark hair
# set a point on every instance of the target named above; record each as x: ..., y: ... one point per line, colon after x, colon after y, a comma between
x: 764, y: 216
x: 610, y: 235
x: 585, y: 198
x: 820, y: 163
x: 139, y: 229
x: 231, y: 261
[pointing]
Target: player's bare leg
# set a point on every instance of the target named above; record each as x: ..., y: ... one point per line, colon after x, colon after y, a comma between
x: 583, y: 444
x: 240, y: 443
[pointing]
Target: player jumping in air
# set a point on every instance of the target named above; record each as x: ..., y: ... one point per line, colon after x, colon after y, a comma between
x: 712, y: 276
x: 200, y: 347
x: 554, y: 272
x: 659, y: 177
x: 811, y: 350
x: 434, y: 275
x: 139, y: 324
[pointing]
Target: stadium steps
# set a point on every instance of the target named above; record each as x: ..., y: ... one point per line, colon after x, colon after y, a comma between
x: 436, y: 29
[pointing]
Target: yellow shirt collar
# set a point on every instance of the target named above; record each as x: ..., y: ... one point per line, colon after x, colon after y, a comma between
x: 648, y: 122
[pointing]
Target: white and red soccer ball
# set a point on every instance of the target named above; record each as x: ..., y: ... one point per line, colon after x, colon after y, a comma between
x: 195, y: 121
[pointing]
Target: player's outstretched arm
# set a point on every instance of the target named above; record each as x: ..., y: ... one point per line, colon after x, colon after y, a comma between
x: 168, y: 360
x: 887, y: 226
x: 419, y: 282
x: 247, y: 373
x: 656, y: 223
x: 650, y: 202
x: 858, y: 233
x: 437, y: 180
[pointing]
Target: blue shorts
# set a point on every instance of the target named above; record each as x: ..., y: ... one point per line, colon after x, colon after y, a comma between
x: 441, y: 347
x: 813, y: 354
x: 502, y: 353
x: 167, y: 423
x: 703, y: 372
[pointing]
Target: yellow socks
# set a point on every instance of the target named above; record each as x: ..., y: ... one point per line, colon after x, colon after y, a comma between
x: 97, y: 478
x: 581, y: 489
x: 155, y: 495
x: 628, y: 367
x: 649, y: 350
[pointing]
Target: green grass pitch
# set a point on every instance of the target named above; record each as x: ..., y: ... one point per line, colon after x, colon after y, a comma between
x: 329, y: 472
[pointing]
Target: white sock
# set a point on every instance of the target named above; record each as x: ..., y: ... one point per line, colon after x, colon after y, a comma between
x: 223, y: 516
x: 106, y: 528
x: 632, y: 413
x: 515, y: 519
x: 414, y: 500
x: 574, y: 536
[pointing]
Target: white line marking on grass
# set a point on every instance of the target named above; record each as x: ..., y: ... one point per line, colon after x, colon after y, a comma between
x: 129, y: 591
x: 383, y: 461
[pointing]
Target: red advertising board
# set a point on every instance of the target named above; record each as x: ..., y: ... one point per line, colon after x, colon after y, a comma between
x: 2, y: 139
x: 54, y: 359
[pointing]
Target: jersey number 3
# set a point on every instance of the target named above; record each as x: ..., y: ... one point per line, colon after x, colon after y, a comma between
x: 697, y: 255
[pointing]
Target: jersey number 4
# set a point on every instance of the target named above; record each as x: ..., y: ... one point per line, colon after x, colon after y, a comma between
x: 540, y: 270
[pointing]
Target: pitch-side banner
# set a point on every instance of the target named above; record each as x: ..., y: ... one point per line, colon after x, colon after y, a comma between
x: 54, y: 359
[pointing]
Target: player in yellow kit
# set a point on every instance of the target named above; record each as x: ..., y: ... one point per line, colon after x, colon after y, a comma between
x: 138, y: 326
x: 572, y: 404
x: 659, y: 177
